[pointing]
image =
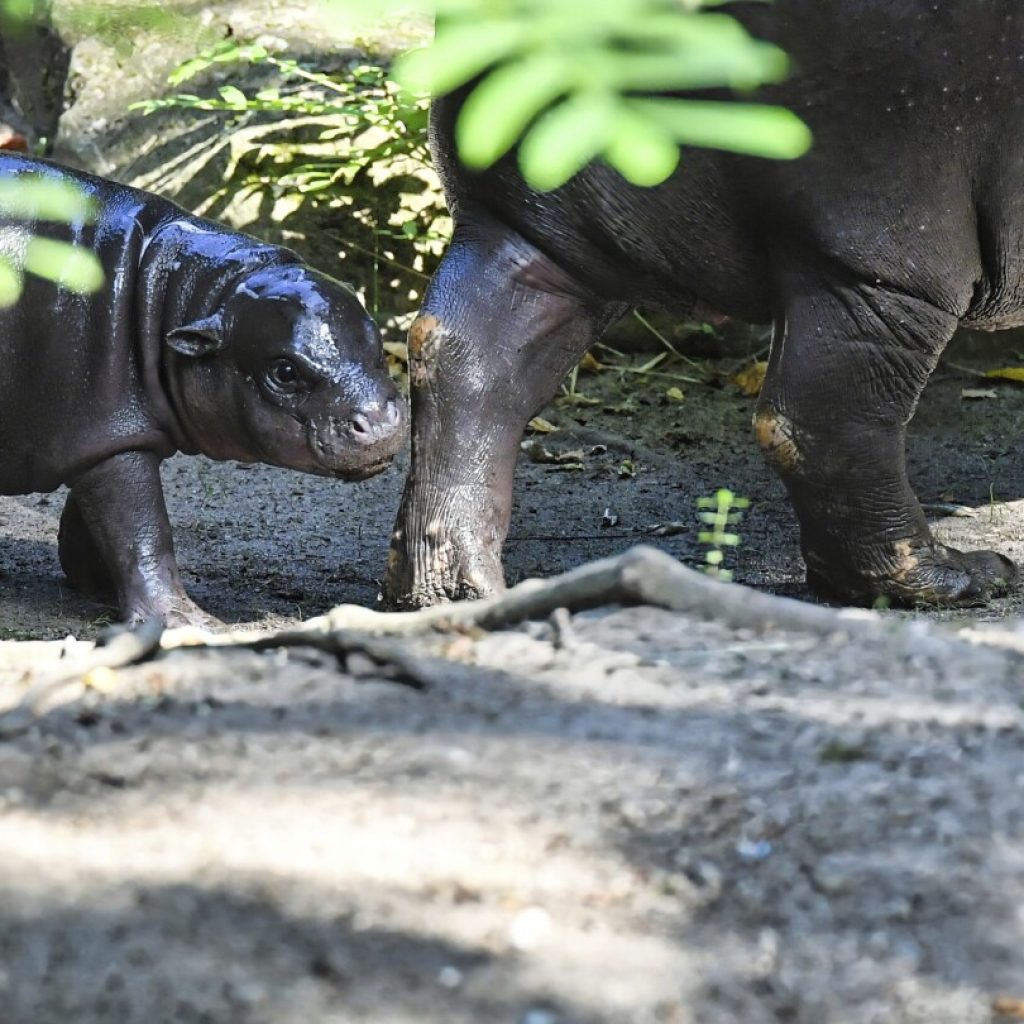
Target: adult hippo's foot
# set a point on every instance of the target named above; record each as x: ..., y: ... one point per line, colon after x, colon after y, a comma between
x: 115, y: 543
x: 500, y: 328
x: 933, y: 574
x: 430, y: 562
x: 848, y: 365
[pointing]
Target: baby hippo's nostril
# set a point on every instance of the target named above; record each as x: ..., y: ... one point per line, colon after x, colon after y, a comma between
x: 362, y: 428
x: 376, y: 424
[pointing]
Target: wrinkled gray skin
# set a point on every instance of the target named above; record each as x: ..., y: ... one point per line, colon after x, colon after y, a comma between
x: 905, y: 220
x: 200, y: 340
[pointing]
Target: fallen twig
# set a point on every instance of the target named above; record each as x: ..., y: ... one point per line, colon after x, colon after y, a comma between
x: 66, y: 684
x: 643, y: 575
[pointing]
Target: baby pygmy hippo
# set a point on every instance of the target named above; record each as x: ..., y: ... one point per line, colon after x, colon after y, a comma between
x: 200, y: 340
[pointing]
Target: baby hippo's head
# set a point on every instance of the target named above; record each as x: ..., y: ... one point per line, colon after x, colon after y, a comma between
x: 290, y: 371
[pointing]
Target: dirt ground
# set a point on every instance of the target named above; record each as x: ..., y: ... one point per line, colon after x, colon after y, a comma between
x: 641, y: 819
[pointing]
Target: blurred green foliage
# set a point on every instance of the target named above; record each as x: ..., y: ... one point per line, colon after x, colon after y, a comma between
x: 29, y: 197
x: 571, y: 81
x: 36, y: 198
x: 563, y: 81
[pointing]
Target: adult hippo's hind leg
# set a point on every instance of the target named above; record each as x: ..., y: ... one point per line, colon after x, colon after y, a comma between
x: 115, y: 541
x: 847, y: 368
x: 500, y: 327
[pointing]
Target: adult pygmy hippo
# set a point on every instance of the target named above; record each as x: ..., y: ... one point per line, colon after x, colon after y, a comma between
x: 200, y: 340
x: 904, y: 220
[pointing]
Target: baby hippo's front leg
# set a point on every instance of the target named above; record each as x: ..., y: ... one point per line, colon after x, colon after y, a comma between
x: 115, y: 540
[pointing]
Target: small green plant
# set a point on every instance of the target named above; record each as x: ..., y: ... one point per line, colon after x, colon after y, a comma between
x: 720, y: 513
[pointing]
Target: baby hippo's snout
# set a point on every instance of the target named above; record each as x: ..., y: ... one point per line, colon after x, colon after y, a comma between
x: 379, y: 425
x: 361, y: 441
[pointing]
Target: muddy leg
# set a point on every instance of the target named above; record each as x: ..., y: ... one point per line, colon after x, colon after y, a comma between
x: 847, y: 368
x: 500, y: 327
x: 115, y: 539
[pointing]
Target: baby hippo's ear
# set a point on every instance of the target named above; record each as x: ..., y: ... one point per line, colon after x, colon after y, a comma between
x: 202, y: 338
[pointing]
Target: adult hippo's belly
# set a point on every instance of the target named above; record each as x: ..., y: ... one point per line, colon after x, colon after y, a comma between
x: 905, y: 220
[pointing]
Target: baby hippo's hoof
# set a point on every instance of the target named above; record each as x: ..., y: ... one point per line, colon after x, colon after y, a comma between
x: 932, y: 575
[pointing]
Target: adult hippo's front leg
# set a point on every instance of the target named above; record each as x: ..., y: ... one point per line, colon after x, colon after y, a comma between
x: 848, y: 364
x: 500, y: 327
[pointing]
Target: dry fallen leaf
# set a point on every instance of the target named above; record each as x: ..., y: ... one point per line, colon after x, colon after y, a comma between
x: 675, y: 394
x: 750, y: 379
x: 539, y: 425
x: 101, y: 679
x: 10, y: 139
x: 1007, y: 1006
x: 972, y: 394
x: 1015, y: 373
x: 536, y: 452
x: 668, y: 529
x: 590, y: 364
x: 398, y: 349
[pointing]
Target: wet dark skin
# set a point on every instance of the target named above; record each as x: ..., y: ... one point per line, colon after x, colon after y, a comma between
x: 200, y: 340
x: 905, y: 220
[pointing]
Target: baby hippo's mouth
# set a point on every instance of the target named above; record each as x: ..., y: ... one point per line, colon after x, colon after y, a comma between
x: 363, y: 472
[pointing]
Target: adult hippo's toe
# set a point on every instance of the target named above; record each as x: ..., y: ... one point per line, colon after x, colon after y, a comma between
x: 929, y: 574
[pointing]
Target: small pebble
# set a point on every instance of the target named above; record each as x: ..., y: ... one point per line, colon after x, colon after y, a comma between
x: 450, y: 977
x: 529, y: 928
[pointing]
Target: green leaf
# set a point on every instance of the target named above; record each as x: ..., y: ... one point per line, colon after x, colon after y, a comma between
x: 70, y: 266
x: 10, y: 283
x: 499, y: 109
x: 34, y: 197
x: 750, y: 128
x: 234, y: 97
x: 566, y: 139
x: 641, y: 150
x: 459, y: 53
x: 225, y: 53
x: 742, y: 67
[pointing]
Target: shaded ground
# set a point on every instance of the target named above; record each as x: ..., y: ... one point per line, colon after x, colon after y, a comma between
x: 643, y: 820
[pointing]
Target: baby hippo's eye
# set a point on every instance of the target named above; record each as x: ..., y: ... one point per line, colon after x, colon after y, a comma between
x: 284, y: 375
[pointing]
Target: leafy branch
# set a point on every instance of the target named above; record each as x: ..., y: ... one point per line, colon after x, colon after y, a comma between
x: 570, y: 81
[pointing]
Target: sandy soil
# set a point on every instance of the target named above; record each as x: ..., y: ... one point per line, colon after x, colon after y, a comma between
x: 640, y: 819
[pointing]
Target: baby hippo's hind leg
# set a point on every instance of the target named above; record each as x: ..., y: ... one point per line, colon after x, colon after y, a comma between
x: 80, y: 558
x: 115, y: 541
